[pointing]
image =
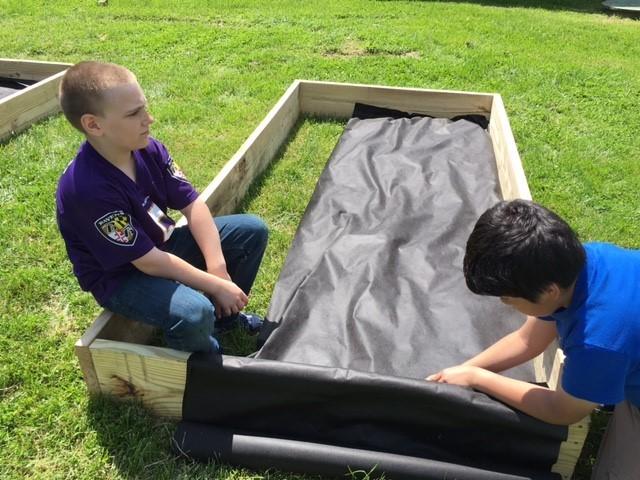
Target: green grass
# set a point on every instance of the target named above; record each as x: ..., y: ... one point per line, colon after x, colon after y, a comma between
x: 568, y: 74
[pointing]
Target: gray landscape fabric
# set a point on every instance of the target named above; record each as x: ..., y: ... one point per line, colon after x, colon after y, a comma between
x: 373, y: 280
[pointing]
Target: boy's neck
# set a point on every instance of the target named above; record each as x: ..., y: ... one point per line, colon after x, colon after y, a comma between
x: 118, y: 157
x: 566, y: 296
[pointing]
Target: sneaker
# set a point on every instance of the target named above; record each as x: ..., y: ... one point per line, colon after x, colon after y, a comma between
x: 249, y: 322
x: 215, y: 345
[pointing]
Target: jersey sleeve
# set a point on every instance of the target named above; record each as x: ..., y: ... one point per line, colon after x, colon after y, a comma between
x: 180, y: 192
x: 595, y: 374
x: 110, y: 232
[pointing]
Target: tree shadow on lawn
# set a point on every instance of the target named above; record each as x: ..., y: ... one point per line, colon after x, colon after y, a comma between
x: 582, y: 6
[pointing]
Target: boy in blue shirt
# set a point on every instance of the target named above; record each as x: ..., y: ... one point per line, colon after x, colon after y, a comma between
x: 111, y: 206
x: 586, y: 295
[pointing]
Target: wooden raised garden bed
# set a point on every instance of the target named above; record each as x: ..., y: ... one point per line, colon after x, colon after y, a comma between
x: 28, y: 93
x: 114, y: 353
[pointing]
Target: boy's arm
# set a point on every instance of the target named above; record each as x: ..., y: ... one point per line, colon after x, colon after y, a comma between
x: 206, y: 235
x: 518, y: 347
x: 551, y: 406
x: 229, y: 298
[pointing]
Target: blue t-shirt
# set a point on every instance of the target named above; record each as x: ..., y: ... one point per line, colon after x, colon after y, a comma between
x: 600, y: 331
x: 107, y: 220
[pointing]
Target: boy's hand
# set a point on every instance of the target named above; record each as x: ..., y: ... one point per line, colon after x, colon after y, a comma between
x: 463, y: 375
x: 228, y: 298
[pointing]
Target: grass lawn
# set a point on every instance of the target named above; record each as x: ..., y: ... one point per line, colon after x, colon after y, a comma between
x: 569, y: 75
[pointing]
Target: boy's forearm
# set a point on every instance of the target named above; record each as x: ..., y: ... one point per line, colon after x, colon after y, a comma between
x: 206, y: 235
x: 515, y: 348
x: 547, y: 405
x: 506, y: 353
x: 227, y: 297
x: 158, y: 263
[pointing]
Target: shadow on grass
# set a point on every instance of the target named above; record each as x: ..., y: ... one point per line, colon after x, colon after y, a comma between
x: 583, y: 6
x: 137, y: 443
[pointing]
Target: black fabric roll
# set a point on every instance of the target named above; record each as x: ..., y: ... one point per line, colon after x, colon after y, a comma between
x: 366, y: 411
x: 205, y: 442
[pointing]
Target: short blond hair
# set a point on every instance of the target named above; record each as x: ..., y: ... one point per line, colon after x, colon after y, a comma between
x: 83, y: 87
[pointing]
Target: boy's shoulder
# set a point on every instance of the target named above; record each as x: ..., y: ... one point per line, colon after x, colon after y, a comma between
x: 85, y: 176
x: 601, y: 253
x: 610, y: 278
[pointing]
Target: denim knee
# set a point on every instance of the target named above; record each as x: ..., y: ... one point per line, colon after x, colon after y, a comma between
x: 257, y: 230
x: 194, y: 326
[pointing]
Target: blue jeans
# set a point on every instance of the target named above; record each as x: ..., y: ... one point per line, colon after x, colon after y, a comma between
x: 185, y: 315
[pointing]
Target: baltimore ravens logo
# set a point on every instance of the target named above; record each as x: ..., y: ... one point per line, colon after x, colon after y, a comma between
x: 117, y: 228
x: 175, y: 172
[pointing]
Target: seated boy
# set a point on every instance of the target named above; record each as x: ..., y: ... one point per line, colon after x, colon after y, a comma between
x: 587, y: 295
x: 112, y: 203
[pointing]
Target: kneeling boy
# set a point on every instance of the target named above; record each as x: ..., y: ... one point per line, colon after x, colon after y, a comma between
x: 587, y: 295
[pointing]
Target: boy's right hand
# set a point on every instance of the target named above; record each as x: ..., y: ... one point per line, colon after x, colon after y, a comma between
x: 228, y: 298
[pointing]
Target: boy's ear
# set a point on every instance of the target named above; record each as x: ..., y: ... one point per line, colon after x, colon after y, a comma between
x: 91, y: 124
x: 553, y: 290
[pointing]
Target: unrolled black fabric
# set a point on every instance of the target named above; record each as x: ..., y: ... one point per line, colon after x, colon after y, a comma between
x: 372, y: 299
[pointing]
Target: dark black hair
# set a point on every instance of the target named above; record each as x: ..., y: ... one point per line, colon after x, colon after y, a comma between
x: 518, y: 248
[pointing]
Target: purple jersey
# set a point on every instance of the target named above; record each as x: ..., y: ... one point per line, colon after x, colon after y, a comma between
x: 107, y: 220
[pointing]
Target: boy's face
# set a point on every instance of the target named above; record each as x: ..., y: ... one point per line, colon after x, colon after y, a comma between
x: 546, y: 304
x: 125, y: 120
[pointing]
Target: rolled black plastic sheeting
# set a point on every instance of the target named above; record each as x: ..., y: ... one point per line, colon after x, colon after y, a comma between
x: 205, y: 442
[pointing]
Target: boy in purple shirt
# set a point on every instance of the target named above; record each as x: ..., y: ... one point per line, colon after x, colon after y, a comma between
x: 586, y: 295
x: 112, y: 203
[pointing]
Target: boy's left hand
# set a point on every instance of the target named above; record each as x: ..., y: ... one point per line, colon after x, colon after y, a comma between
x: 463, y: 375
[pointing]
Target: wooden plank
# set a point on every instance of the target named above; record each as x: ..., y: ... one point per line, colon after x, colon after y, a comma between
x: 84, y: 355
x: 125, y: 330
x: 510, y: 172
x: 569, y: 449
x: 108, y: 326
x: 29, y: 105
x: 228, y: 188
x: 555, y: 376
x: 88, y: 369
x: 30, y: 69
x: 153, y: 375
x: 513, y: 184
x: 95, y: 329
x: 328, y: 99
